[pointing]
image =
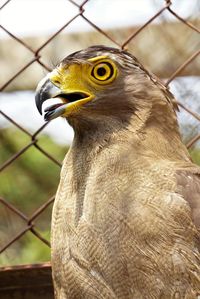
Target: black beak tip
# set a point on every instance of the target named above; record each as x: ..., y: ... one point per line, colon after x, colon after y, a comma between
x: 44, y: 91
x: 38, y: 102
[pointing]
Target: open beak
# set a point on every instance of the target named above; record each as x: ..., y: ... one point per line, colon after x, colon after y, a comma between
x: 70, y: 100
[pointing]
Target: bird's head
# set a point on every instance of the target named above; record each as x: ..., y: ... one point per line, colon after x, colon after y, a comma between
x: 101, y: 82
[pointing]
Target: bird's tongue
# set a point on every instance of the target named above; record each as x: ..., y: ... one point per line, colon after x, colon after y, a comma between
x: 55, y: 110
x: 53, y: 107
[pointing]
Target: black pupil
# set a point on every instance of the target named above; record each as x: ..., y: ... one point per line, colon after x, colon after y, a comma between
x: 101, y: 71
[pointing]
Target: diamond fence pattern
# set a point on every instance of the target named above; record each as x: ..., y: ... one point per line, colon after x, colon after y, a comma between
x: 29, y: 224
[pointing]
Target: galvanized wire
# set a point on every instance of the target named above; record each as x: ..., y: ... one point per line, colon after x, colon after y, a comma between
x: 29, y: 225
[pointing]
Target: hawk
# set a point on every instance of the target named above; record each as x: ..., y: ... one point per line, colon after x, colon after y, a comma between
x: 125, y: 220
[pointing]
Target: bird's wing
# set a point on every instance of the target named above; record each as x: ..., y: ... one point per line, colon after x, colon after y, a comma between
x: 188, y: 184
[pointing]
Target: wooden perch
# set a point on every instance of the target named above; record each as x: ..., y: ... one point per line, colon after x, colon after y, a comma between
x: 27, y: 282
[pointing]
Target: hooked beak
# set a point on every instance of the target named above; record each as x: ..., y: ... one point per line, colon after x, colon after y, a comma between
x: 70, y: 100
x: 45, y: 90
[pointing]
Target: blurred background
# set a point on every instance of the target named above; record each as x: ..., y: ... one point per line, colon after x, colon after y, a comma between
x: 34, y: 36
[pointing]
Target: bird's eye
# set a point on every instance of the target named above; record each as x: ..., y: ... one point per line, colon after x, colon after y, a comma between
x: 103, y: 72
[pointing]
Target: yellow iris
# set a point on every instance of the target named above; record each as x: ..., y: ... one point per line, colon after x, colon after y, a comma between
x: 104, y: 71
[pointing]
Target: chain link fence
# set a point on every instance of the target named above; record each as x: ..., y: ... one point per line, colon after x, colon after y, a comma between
x: 29, y: 221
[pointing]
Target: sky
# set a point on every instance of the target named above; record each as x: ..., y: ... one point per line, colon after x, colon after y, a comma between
x: 33, y: 17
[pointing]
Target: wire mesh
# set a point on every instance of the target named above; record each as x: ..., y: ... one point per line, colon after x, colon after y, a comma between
x: 37, y: 57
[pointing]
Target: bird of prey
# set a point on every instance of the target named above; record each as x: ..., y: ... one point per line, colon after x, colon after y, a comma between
x: 125, y: 220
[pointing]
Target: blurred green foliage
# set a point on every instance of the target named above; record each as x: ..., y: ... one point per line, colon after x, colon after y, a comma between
x: 195, y: 154
x: 27, y: 183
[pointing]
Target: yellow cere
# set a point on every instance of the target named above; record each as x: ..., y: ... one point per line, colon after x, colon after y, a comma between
x: 83, y: 78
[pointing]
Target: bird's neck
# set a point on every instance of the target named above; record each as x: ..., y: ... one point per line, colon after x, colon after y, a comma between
x: 151, y: 131
x: 161, y: 135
